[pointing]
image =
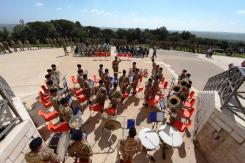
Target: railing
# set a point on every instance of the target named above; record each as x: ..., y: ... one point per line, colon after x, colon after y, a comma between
x: 9, y: 117
x: 231, y: 88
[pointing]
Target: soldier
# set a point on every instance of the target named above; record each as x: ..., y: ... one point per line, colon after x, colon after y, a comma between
x: 160, y: 74
x: 48, y: 42
x: 13, y: 45
x: 115, y: 96
x: 37, y: 41
x: 55, y: 99
x: 65, y: 112
x: 72, y: 46
x: 53, y: 78
x: 129, y: 147
x: 6, y: 46
x: 39, y: 153
x: 101, y: 94
x: 56, y: 73
x: 20, y: 45
x: 79, y: 67
x: 124, y: 82
x: 55, y: 42
x: 148, y: 92
x: 50, y: 85
x: 87, y: 88
x: 101, y: 71
x: 80, y: 78
x: 106, y: 80
x: 2, y: 48
x: 155, y: 88
x: 115, y: 66
x: 154, y: 65
x: 80, y: 148
x: 136, y: 78
x: 27, y: 44
x: 182, y: 75
x: 65, y: 49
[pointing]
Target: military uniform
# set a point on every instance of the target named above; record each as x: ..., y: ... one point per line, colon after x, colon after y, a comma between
x: 87, y: 88
x: 80, y: 149
x: 136, y: 79
x: 101, y: 73
x: 148, y: 92
x: 6, y: 46
x: 80, y: 80
x: 154, y: 66
x: 128, y: 148
x: 115, y: 96
x: 38, y: 44
x: 55, y: 102
x: 27, y: 44
x: 20, y: 45
x: 65, y: 49
x: 43, y: 155
x: 115, y: 67
x: 123, y: 83
x: 155, y: 89
x: 65, y: 113
x: 107, y: 83
x: 56, y: 76
x: 101, y: 95
x: 13, y: 45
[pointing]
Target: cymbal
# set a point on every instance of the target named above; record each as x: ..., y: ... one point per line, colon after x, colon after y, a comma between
x: 112, y: 124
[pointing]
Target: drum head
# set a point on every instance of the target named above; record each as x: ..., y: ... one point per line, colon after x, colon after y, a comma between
x: 112, y: 124
x: 76, y: 121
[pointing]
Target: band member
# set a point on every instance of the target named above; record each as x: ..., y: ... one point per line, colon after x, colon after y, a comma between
x: 54, y: 99
x: 47, y: 78
x: 182, y: 75
x: 129, y: 147
x: 124, y: 82
x: 115, y: 96
x: 87, y: 87
x: 115, y: 66
x: 134, y: 67
x: 160, y: 74
x: 53, y: 78
x: 136, y: 79
x: 148, y: 92
x: 80, y: 78
x: 65, y: 112
x: 101, y: 93
x: 154, y: 65
x: 50, y: 85
x: 155, y: 87
x: 154, y: 52
x: 38, y: 43
x: 106, y: 79
x: 101, y: 71
x: 80, y: 148
x: 40, y: 153
x: 56, y: 73
x: 65, y: 49
x: 79, y: 67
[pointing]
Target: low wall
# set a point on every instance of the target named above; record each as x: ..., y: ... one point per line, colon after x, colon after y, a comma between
x: 220, y: 138
x: 16, y: 143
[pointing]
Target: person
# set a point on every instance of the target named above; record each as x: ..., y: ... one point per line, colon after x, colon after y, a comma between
x: 160, y: 74
x: 136, y: 79
x: 101, y: 71
x: 124, y: 82
x: 27, y: 44
x: 40, y: 153
x: 53, y: 78
x: 80, y: 148
x: 79, y: 67
x: 38, y: 43
x: 231, y: 66
x: 147, y: 91
x: 129, y: 146
x: 154, y: 52
x: 50, y: 85
x: 55, y: 99
x: 115, y: 96
x: 65, y: 112
x: 182, y: 75
x: 101, y: 94
x: 56, y: 73
x: 87, y: 88
x: 155, y: 87
x: 80, y: 78
x: 65, y: 49
x: 243, y: 64
x: 106, y: 79
x: 115, y: 66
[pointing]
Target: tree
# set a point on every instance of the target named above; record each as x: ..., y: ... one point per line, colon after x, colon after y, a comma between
x: 4, y: 34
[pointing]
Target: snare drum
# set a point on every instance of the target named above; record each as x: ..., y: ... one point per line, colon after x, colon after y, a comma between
x: 149, y: 139
x: 59, y: 142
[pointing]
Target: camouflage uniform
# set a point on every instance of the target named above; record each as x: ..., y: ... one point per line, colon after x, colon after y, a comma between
x: 65, y: 113
x: 38, y: 44
x: 27, y: 44
x: 65, y: 49
x: 6, y: 46
x: 101, y: 95
x: 115, y: 67
x: 20, y: 45
x: 43, y: 155
x: 13, y: 45
x: 107, y: 83
x: 56, y: 76
x: 148, y: 91
x: 155, y: 89
x: 101, y: 73
x: 154, y: 66
x: 115, y: 96
x: 87, y: 88
x: 80, y: 80
x: 136, y: 79
x: 128, y: 148
x: 80, y: 149
x: 123, y: 83
x: 55, y: 102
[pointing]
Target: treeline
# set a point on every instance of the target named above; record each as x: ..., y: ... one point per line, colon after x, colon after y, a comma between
x: 68, y: 29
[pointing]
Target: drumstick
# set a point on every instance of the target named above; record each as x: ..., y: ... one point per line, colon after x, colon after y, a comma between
x: 150, y: 141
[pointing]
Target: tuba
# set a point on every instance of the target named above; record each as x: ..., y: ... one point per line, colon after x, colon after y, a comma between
x: 174, y: 102
x: 184, y: 82
x: 177, y: 88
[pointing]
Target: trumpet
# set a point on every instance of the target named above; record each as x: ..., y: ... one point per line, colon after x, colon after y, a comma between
x: 174, y: 102
x: 184, y: 82
x: 177, y: 88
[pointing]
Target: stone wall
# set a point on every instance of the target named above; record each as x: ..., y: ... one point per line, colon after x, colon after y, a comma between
x: 16, y: 143
x: 221, y: 139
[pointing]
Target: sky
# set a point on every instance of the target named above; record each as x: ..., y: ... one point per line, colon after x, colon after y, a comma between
x: 194, y: 15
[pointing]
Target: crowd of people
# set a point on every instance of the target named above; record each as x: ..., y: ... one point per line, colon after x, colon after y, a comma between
x: 136, y: 51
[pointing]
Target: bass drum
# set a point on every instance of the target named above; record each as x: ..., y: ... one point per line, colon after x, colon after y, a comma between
x: 59, y: 142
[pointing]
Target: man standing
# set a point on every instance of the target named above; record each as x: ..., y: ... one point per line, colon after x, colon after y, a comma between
x: 115, y: 66
x: 147, y: 92
x: 136, y: 79
x: 56, y: 73
x: 38, y: 43
x: 54, y: 99
x: 115, y: 96
x: 129, y: 147
x: 80, y: 148
x: 65, y: 112
x: 86, y: 87
x: 39, y: 153
x: 106, y: 79
x: 80, y: 78
x: 124, y: 82
x: 101, y: 71
x: 154, y: 52
x: 101, y: 94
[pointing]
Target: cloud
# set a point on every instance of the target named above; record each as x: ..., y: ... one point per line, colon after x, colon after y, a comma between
x: 241, y: 12
x: 39, y: 4
x: 59, y: 9
x: 96, y: 12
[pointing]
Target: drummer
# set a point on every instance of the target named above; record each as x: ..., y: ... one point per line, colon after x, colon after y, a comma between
x: 123, y: 82
x: 80, y: 148
x: 87, y: 88
x: 101, y: 94
x: 148, y: 92
x: 79, y: 67
x: 136, y: 79
x: 101, y: 71
x: 115, y: 66
x: 115, y: 96
x: 65, y: 112
x: 129, y: 147
x: 55, y: 99
x: 106, y: 79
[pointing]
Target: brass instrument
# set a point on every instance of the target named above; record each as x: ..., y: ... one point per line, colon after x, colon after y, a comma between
x: 174, y: 102
x: 177, y: 88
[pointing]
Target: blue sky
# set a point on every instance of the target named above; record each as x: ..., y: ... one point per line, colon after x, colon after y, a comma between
x: 199, y: 15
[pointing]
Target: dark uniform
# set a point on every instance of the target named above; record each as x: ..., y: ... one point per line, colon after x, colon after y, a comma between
x: 148, y: 91
x: 136, y: 79
x: 107, y: 83
x: 101, y: 95
x: 123, y: 83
